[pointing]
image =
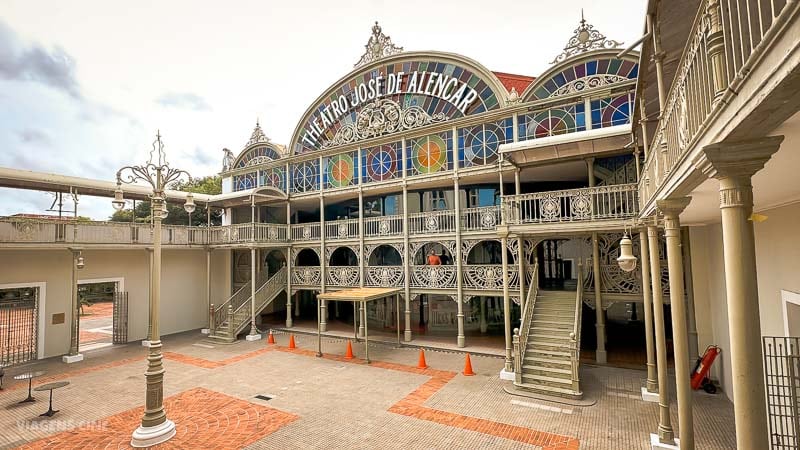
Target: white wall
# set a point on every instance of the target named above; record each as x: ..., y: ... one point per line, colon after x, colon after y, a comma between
x: 777, y: 258
x: 183, y: 293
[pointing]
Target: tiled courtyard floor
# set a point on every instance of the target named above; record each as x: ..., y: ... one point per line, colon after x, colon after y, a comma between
x: 332, y: 403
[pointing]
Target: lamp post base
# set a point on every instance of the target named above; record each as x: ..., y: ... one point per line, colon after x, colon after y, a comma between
x: 252, y: 337
x: 150, y: 436
x: 507, y: 375
x: 69, y: 359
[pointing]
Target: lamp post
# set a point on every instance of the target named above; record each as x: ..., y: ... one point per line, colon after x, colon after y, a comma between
x: 155, y: 427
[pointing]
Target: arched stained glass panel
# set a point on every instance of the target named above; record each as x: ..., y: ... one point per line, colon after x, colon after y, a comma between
x: 586, y: 74
x: 340, y: 170
x: 257, y: 155
x: 612, y: 111
x: 244, y: 181
x: 274, y: 177
x: 480, y: 144
x: 305, y: 176
x: 429, y: 154
x: 554, y: 121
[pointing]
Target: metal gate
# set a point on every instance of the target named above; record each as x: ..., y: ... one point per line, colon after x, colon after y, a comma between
x: 782, y: 370
x: 120, y: 318
x: 19, y: 314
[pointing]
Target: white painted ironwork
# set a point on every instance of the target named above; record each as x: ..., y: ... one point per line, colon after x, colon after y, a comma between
x: 341, y: 229
x: 573, y: 205
x: 306, y: 276
x: 586, y: 38
x: 378, y: 46
x: 344, y: 276
x: 480, y: 219
x: 432, y: 222
x: 433, y: 277
x: 383, y: 226
x: 385, y: 276
x: 489, y: 277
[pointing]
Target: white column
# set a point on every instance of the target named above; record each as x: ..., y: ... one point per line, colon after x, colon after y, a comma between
x: 253, y: 335
x: 460, y: 340
x: 691, y: 321
x: 406, y: 266
x: 503, y: 232
x: 289, y: 265
x: 665, y: 433
x: 323, y: 262
x: 651, y: 386
x: 600, y: 327
x: 208, y: 286
x: 672, y: 230
x: 734, y: 165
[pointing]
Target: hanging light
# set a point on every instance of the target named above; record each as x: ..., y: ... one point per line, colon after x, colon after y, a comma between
x: 80, y: 264
x: 164, y: 210
x: 189, y: 206
x: 118, y: 203
x: 626, y: 260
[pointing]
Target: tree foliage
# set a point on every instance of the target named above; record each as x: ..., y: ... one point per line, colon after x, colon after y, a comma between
x: 177, y: 215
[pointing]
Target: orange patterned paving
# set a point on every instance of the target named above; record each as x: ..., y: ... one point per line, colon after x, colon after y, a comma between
x: 98, y: 310
x: 74, y: 373
x: 203, y: 419
x: 87, y: 337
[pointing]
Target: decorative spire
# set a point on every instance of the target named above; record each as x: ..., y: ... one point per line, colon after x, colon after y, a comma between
x: 258, y: 136
x: 513, y: 96
x: 586, y: 38
x: 378, y: 46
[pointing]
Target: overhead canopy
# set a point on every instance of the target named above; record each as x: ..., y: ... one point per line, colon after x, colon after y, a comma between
x: 366, y: 294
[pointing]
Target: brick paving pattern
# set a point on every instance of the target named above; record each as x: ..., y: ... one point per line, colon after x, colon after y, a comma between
x: 203, y: 419
x: 337, y: 403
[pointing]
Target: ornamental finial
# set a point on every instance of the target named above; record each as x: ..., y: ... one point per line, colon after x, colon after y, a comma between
x: 586, y: 38
x: 378, y: 46
x: 258, y: 136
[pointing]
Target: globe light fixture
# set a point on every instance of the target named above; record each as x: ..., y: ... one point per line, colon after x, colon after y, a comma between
x: 118, y: 203
x: 626, y: 260
x: 189, y: 206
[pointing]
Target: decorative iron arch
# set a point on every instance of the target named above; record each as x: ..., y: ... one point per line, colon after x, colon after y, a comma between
x: 415, y: 247
x: 370, y: 248
x: 591, y: 69
x: 335, y: 118
x: 329, y: 251
x: 296, y: 253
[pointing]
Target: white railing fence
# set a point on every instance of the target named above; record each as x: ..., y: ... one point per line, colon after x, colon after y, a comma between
x: 572, y: 205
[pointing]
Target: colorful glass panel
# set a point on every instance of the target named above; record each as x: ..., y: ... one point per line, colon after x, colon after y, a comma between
x: 612, y: 111
x: 274, y: 177
x: 305, y: 176
x: 430, y: 154
x: 258, y: 155
x: 554, y: 121
x: 586, y: 74
x: 340, y: 170
x: 244, y: 181
x: 480, y: 144
x: 382, y: 162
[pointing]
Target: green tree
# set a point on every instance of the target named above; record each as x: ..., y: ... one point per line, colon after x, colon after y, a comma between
x: 177, y: 215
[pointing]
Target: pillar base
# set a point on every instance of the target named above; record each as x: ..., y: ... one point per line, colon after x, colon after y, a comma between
x: 407, y: 335
x: 289, y: 323
x: 72, y: 359
x: 205, y: 331
x: 649, y: 396
x: 601, y: 357
x: 150, y: 436
x: 460, y: 342
x: 656, y: 444
x: 146, y: 343
x: 253, y: 337
x: 508, y: 376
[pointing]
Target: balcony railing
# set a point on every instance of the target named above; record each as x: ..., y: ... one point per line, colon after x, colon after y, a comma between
x: 306, y: 231
x: 480, y: 219
x: 385, y: 276
x: 489, y: 276
x: 383, y: 226
x: 344, y: 276
x: 432, y: 222
x: 341, y: 229
x: 573, y: 205
x: 725, y: 43
x: 306, y: 276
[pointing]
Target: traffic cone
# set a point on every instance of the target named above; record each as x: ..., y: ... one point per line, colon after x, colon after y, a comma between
x: 349, y: 353
x: 422, y: 364
x: 291, y: 342
x: 468, y: 367
x: 271, y: 339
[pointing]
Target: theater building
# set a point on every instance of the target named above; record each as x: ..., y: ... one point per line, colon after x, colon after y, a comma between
x: 508, y: 208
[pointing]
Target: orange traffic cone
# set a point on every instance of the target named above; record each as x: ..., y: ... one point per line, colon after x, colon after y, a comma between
x: 422, y: 364
x: 349, y: 353
x: 271, y: 339
x: 468, y: 367
x: 291, y: 342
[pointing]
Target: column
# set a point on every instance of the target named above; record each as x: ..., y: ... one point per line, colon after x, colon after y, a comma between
x: 406, y: 266
x: 665, y: 433
x: 734, y: 165
x: 323, y: 265
x: 652, y: 381
x: 253, y: 335
x: 672, y: 230
x: 516, y: 182
x: 460, y: 340
x: 146, y: 341
x: 601, y: 357
x: 208, y: 287
x: 483, y: 324
x: 289, y: 265
x: 521, y: 267
x: 503, y: 232
x: 691, y: 321
x: 361, y: 262
x: 74, y: 354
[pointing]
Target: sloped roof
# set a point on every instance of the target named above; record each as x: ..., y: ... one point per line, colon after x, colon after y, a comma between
x: 518, y: 82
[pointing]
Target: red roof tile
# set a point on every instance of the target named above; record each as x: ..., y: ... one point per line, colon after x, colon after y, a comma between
x: 518, y: 82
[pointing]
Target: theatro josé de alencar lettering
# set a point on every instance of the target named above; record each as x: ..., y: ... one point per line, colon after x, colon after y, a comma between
x: 433, y: 84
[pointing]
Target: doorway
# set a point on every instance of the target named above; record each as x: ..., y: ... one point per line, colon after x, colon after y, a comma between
x: 103, y: 313
x: 19, y: 318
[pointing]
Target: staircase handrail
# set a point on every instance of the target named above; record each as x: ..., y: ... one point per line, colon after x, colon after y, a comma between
x: 521, y: 334
x: 575, y: 336
x: 236, y: 300
x: 277, y: 279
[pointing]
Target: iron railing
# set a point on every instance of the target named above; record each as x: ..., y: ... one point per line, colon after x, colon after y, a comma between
x: 575, y: 336
x: 782, y: 375
x: 119, y: 319
x: 572, y: 205
x: 19, y: 312
x: 520, y: 339
x: 726, y: 41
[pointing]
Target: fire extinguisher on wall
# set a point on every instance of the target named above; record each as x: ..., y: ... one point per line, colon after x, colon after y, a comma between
x: 701, y: 368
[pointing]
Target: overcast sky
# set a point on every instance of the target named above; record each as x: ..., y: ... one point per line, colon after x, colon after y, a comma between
x: 84, y: 85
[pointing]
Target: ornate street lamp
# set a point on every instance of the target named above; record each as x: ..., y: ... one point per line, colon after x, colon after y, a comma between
x: 155, y: 427
x: 626, y: 260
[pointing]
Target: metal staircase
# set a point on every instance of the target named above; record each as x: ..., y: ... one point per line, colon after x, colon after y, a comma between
x: 233, y: 316
x: 547, y: 344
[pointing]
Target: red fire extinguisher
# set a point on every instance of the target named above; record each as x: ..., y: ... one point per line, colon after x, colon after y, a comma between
x: 701, y: 368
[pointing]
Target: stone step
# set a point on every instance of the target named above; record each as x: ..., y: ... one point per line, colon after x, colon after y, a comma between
x: 553, y: 372
x: 546, y: 352
x: 549, y: 390
x: 548, y: 346
x: 558, y: 316
x: 542, y: 329
x: 555, y: 362
x: 542, y: 338
x: 546, y: 380
x: 553, y: 323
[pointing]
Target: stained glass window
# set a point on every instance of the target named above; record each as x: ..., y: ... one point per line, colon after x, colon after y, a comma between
x: 381, y: 162
x: 429, y: 154
x: 305, y: 176
x: 244, y: 181
x: 585, y: 74
x: 553, y: 121
x: 612, y: 111
x: 274, y: 177
x: 480, y: 144
x: 258, y: 155
x: 340, y: 170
